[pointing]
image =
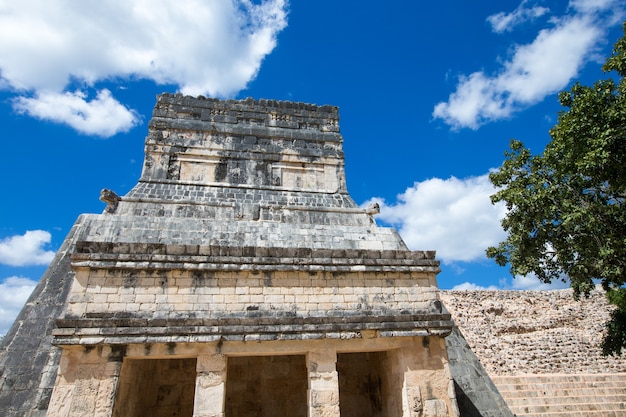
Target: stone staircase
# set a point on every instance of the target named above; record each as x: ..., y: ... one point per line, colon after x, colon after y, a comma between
x: 563, y: 395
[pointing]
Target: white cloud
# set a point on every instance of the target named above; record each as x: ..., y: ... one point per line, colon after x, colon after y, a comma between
x: 547, y: 65
x: 531, y: 282
x: 208, y: 47
x: 534, y: 71
x: 453, y: 216
x: 592, y: 6
x: 14, y: 292
x: 103, y: 116
x: 26, y: 249
x: 469, y: 286
x: 504, y: 22
x: 527, y: 283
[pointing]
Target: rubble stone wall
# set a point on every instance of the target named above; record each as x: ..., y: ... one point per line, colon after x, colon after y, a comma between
x: 534, y: 332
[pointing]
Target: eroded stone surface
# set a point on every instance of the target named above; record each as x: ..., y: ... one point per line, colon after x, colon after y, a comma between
x: 528, y: 332
x: 240, y: 242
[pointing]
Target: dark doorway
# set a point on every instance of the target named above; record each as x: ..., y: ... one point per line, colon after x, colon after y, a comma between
x: 266, y: 386
x: 365, y: 385
x: 156, y: 388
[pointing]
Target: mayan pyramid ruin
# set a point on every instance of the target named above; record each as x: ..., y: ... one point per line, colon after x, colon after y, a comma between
x: 239, y: 278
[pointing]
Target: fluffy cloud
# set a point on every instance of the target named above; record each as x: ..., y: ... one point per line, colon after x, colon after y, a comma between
x: 453, y: 216
x: 527, y: 283
x: 504, y: 22
x: 531, y: 282
x: 103, y: 116
x: 209, y: 47
x: 14, y: 292
x: 469, y: 286
x: 534, y: 70
x: 26, y: 249
x: 593, y: 6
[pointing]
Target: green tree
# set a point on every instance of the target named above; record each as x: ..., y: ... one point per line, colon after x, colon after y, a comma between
x: 566, y: 215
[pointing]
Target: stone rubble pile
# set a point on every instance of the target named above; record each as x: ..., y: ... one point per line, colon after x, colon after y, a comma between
x: 534, y: 332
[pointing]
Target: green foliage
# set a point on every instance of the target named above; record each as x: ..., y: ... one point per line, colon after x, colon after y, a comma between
x: 566, y: 213
x: 615, y: 338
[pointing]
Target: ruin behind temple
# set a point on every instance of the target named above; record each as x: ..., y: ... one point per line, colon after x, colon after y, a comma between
x: 239, y: 278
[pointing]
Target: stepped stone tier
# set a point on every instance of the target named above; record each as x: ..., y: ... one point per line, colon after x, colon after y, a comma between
x: 239, y: 278
x: 565, y: 395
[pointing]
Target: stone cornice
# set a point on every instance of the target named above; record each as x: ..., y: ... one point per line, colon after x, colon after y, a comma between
x: 215, y: 258
x: 248, y: 326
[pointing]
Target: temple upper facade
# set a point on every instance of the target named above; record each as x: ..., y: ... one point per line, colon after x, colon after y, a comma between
x: 239, y: 278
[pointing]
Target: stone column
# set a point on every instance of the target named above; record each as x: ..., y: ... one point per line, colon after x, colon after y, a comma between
x: 108, y: 388
x: 86, y: 385
x: 210, y: 396
x: 427, y: 389
x: 323, y: 394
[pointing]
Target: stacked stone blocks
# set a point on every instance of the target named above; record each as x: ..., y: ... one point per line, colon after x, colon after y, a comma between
x: 241, y: 250
x: 565, y: 395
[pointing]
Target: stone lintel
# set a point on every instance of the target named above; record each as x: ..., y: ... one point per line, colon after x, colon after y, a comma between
x: 246, y: 326
x: 189, y: 334
x: 252, y: 318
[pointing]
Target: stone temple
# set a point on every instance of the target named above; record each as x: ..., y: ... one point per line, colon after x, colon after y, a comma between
x: 238, y: 278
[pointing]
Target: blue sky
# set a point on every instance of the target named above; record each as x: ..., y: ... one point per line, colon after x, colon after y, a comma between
x: 430, y: 94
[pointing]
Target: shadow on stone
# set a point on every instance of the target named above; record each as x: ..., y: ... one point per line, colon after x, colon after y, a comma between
x: 477, y: 396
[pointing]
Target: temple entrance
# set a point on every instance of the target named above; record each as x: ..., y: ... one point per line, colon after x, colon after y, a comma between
x: 266, y: 386
x: 156, y: 388
x: 367, y: 384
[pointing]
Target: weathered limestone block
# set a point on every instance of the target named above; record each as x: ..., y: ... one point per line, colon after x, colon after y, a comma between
x: 86, y: 384
x: 435, y: 408
x: 210, y: 386
x: 415, y: 404
x: 427, y: 380
x: 323, y: 384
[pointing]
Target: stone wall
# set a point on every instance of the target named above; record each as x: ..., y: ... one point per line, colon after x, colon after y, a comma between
x: 240, y: 248
x: 250, y: 143
x: 182, y: 294
x: 534, y: 332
